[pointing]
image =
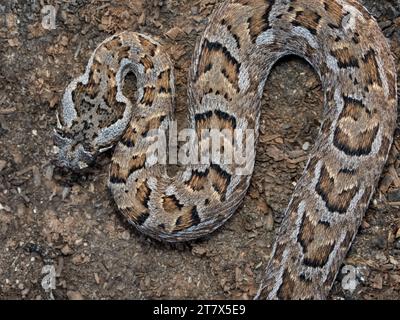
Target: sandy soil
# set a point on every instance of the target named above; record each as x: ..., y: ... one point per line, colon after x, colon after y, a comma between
x: 70, y: 221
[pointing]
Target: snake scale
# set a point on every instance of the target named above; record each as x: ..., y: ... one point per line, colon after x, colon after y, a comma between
x: 231, y: 63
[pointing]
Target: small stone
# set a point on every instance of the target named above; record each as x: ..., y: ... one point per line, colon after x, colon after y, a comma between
x: 380, y: 242
x: 77, y: 260
x: 395, y: 278
x: 66, y: 250
x: 125, y: 235
x: 97, y: 278
x: 365, y: 225
x: 385, y: 24
x: 393, y: 261
x: 142, y: 19
x: 65, y: 193
x: 269, y: 222
x: 377, y: 282
x: 398, y: 234
x: 199, y: 251
x: 64, y: 41
x: 74, y: 295
x: 5, y: 208
x: 55, y: 150
x: 25, y: 292
x: 348, y: 278
x: 397, y: 244
x: 363, y: 274
x: 175, y: 33
x: 262, y: 206
x: 36, y: 176
x: 279, y: 140
x: 380, y: 256
x: 53, y: 101
x: 306, y: 146
x: 91, y: 188
x: 3, y: 164
x: 194, y: 10
x: 49, y: 172
x: 11, y: 21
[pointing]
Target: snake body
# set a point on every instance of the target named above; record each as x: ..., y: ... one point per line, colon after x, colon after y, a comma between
x: 232, y: 60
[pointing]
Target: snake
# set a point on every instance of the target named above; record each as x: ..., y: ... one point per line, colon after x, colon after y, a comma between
x: 231, y: 63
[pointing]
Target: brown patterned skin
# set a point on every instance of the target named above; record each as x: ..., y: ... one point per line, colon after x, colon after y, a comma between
x: 231, y: 63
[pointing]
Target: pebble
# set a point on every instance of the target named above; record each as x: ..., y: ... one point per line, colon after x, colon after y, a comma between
x: 36, y: 176
x: 365, y: 225
x: 269, y: 223
x: 380, y: 242
x: 194, y: 10
x: 259, y: 224
x: 49, y: 172
x: 306, y: 146
x: 74, y: 295
x: 199, y: 251
x: 363, y: 273
x: 66, y: 250
x: 385, y: 24
x: 377, y: 282
x: 55, y: 150
x: 65, y: 193
x: 25, y: 292
x: 5, y: 208
x: 97, y: 278
x: 175, y: 33
x: 125, y: 235
x: 3, y: 164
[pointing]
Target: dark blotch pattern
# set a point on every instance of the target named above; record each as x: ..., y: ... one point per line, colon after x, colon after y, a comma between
x: 335, y: 200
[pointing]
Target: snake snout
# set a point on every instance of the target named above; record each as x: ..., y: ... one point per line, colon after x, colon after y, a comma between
x: 71, y: 155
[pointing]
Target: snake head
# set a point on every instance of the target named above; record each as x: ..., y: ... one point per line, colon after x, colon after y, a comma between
x: 71, y: 154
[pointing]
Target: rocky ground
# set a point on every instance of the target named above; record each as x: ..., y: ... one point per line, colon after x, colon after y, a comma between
x: 61, y: 235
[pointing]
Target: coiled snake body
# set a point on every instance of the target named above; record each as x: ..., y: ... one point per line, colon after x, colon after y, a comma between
x: 232, y: 60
